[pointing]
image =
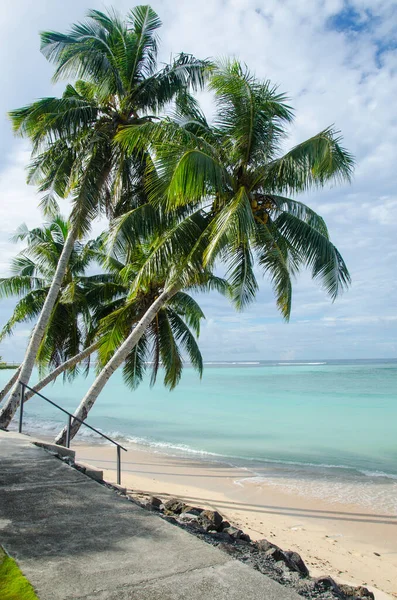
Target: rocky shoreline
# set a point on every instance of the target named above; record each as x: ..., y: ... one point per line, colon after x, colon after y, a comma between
x: 284, y: 566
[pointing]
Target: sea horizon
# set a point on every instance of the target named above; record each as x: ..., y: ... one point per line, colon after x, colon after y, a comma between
x: 322, y: 427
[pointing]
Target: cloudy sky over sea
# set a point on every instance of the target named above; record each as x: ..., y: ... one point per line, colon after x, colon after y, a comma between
x: 338, y: 63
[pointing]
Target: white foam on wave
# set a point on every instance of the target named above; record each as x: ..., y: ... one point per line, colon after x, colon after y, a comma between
x: 362, y: 493
x: 220, y: 362
x: 296, y: 364
x: 377, y: 474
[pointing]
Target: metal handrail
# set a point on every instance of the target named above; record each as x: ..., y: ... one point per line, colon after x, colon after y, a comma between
x: 70, y: 417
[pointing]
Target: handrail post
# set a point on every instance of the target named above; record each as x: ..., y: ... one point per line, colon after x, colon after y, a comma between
x: 21, y: 408
x: 68, y: 431
x: 118, y: 466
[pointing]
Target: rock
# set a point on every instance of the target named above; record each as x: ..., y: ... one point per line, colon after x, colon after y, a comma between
x: 276, y: 554
x: 292, y: 560
x: 263, y: 545
x: 297, y: 562
x: 271, y: 550
x: 156, y: 502
x: 327, y: 583
x: 360, y: 592
x: 149, y: 506
x: 228, y: 548
x: 233, y: 532
x: 245, y: 537
x: 224, y: 524
x: 210, y: 520
x: 192, y: 510
x: 173, y: 505
x: 187, y: 517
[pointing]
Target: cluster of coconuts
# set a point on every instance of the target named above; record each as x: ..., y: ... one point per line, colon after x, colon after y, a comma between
x: 260, y: 209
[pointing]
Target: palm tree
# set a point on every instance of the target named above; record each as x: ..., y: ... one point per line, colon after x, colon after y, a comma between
x: 118, y: 83
x: 32, y: 273
x: 234, y: 173
x: 71, y: 330
x: 171, y: 333
x: 95, y: 311
x: 226, y: 183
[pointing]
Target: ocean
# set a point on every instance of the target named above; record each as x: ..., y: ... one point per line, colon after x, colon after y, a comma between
x: 322, y: 428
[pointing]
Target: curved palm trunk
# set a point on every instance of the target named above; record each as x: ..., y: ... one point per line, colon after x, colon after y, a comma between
x: 117, y: 359
x: 68, y: 364
x: 10, y: 407
x: 10, y: 383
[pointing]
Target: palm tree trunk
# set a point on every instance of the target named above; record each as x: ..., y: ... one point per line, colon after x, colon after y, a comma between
x: 10, y: 407
x: 117, y: 359
x: 10, y: 383
x: 68, y: 364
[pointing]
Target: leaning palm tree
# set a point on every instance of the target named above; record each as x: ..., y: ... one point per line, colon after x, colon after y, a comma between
x: 96, y: 311
x: 70, y: 337
x: 32, y: 271
x: 228, y: 181
x: 114, y: 64
x: 169, y: 336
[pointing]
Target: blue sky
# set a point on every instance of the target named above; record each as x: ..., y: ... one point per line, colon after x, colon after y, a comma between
x: 338, y: 63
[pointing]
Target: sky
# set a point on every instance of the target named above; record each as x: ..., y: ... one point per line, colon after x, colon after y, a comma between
x: 337, y: 61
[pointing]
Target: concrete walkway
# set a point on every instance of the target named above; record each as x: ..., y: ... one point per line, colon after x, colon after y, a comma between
x: 74, y: 538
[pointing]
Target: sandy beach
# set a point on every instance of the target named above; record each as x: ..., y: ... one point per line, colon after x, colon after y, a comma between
x: 352, y: 544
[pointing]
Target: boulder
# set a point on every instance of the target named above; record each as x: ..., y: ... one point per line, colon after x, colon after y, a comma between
x: 276, y: 554
x: 173, y: 505
x: 245, y: 537
x: 263, y: 545
x: 297, y: 562
x: 192, y: 510
x: 210, y: 520
x: 356, y: 593
x: 224, y: 524
x: 154, y: 501
x: 327, y: 583
x: 233, y: 532
x: 292, y: 560
x: 187, y: 517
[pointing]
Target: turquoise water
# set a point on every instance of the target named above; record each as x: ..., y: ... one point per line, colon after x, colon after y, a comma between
x: 322, y: 422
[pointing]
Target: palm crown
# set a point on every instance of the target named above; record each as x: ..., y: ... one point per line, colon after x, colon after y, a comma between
x: 233, y: 174
x: 114, y: 64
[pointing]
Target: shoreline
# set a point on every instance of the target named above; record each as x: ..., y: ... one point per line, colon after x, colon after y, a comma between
x: 349, y: 542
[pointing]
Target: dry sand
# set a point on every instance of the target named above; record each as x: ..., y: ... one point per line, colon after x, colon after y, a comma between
x: 352, y: 544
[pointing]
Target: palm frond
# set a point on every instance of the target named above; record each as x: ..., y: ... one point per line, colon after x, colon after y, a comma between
x: 317, y: 252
